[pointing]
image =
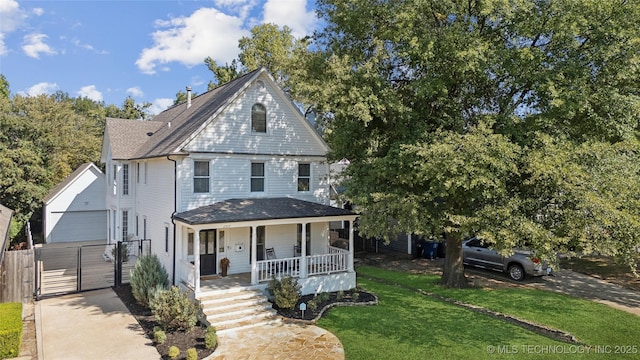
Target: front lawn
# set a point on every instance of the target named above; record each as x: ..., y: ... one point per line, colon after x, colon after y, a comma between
x: 408, y: 325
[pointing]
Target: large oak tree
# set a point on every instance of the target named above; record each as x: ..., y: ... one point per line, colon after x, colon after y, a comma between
x: 513, y: 120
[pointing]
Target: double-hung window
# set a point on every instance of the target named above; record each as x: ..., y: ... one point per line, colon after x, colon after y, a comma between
x: 257, y: 177
x: 125, y: 225
x: 201, y: 177
x: 125, y: 179
x: 304, y: 176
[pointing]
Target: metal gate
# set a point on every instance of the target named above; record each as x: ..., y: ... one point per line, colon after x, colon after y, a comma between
x: 65, y: 268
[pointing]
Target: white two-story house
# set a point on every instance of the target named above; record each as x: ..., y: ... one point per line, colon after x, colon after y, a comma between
x: 236, y: 173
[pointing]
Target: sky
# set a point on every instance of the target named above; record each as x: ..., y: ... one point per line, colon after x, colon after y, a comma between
x: 146, y: 49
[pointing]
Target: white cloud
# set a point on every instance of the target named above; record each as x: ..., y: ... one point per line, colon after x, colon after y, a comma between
x: 160, y: 105
x: 292, y: 13
x: 189, y: 40
x: 90, y: 92
x: 34, y: 45
x: 89, y: 47
x: 40, y: 88
x: 37, y: 11
x: 135, y: 92
x: 11, y: 18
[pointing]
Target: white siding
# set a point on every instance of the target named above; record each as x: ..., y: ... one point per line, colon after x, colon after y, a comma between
x: 286, y: 132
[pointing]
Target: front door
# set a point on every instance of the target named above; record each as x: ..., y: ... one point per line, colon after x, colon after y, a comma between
x: 207, y: 252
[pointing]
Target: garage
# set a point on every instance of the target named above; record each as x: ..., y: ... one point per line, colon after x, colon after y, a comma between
x: 75, y: 210
x: 74, y: 226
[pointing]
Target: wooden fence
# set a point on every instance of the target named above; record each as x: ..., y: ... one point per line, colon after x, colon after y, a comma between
x: 17, y: 276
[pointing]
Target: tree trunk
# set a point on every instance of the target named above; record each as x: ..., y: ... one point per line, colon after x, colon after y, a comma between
x: 453, y: 274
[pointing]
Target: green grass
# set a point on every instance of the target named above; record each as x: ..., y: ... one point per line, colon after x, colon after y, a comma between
x: 407, y: 325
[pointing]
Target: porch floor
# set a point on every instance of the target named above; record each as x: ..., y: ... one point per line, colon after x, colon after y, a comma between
x: 217, y: 282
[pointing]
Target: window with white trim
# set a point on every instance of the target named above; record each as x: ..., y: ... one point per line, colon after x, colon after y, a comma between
x: 125, y: 179
x: 201, y: 177
x: 257, y: 177
x: 304, y: 177
x: 125, y: 225
x: 258, y: 118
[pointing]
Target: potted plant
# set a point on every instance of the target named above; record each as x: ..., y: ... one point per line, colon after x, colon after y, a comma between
x: 224, y: 265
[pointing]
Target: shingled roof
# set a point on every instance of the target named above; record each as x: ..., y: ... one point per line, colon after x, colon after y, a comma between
x: 237, y: 210
x: 163, y: 135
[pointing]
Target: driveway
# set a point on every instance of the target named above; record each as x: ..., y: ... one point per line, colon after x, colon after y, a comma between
x: 90, y: 325
x: 588, y: 287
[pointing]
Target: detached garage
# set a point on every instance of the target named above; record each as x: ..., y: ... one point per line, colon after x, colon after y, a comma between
x: 75, y: 210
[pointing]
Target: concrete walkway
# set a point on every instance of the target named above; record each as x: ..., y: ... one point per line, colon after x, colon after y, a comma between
x: 90, y: 325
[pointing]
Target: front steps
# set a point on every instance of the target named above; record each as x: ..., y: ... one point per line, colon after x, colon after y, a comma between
x: 237, y: 309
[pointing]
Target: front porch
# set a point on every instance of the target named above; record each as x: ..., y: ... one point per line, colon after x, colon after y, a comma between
x: 319, y: 270
x: 264, y: 238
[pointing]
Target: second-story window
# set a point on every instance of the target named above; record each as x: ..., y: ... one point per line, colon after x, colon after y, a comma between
x: 258, y: 118
x: 125, y: 179
x: 304, y: 176
x: 257, y: 177
x: 201, y: 177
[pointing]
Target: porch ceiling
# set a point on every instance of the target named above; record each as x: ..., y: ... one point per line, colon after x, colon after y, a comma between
x: 256, y: 209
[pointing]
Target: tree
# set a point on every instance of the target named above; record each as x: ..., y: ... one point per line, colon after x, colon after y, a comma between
x: 446, y: 111
x: 129, y: 110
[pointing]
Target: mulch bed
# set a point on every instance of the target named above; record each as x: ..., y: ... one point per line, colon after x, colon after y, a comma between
x: 183, y: 340
x: 334, y: 299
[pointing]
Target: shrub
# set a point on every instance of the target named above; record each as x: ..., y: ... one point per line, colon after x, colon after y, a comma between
x: 159, y: 336
x: 174, y: 310
x: 286, y: 292
x: 324, y: 296
x: 312, y: 305
x: 192, y: 354
x: 174, y: 352
x: 146, y: 276
x: 340, y: 295
x: 210, y: 338
x: 10, y: 329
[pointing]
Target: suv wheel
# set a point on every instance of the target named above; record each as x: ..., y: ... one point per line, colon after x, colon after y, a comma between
x: 515, y: 272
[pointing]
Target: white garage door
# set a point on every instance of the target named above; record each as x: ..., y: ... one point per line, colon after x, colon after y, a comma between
x: 78, y: 226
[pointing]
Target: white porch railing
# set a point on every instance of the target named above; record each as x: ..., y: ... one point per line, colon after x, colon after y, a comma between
x: 336, y: 260
x: 278, y: 267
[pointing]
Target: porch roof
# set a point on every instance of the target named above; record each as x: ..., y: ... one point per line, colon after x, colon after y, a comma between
x: 254, y: 209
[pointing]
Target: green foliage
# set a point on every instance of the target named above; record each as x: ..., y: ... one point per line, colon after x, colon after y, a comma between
x: 159, y: 336
x: 192, y: 354
x: 174, y: 310
x: 340, y: 295
x: 445, y: 118
x: 312, y: 305
x: 146, y: 276
x: 210, y: 338
x: 10, y: 329
x: 324, y: 296
x: 286, y: 292
x: 174, y: 352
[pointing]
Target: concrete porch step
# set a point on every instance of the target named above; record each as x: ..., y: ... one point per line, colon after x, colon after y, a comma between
x: 237, y: 309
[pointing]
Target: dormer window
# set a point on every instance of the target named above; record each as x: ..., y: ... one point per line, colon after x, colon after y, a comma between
x: 258, y: 118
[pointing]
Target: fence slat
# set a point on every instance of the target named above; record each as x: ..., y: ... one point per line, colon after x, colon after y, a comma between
x: 17, y: 276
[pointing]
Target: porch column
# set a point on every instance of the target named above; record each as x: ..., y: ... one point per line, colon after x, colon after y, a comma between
x: 303, y: 252
x: 254, y: 256
x: 196, y: 258
x: 350, y: 264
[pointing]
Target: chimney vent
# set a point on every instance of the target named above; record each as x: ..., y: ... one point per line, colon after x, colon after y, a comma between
x: 188, y: 97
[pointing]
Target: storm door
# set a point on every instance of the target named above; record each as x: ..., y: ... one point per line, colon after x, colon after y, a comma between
x: 207, y: 252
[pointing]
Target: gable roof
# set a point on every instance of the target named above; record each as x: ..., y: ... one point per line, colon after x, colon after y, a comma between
x: 5, y: 222
x: 238, y: 210
x: 68, y: 180
x: 170, y: 130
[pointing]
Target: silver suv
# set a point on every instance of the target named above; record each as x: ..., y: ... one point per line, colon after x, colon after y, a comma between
x: 517, y: 266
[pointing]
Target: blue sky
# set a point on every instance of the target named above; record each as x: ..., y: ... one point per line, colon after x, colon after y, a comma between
x: 147, y: 49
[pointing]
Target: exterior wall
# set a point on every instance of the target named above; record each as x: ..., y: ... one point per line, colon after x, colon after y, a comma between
x: 155, y: 203
x: 327, y: 283
x: 83, y: 198
x: 286, y: 132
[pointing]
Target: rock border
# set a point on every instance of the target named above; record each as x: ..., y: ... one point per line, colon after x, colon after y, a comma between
x: 330, y: 306
x: 549, y: 332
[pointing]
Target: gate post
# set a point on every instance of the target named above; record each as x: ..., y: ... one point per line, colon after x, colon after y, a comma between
x: 118, y: 277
